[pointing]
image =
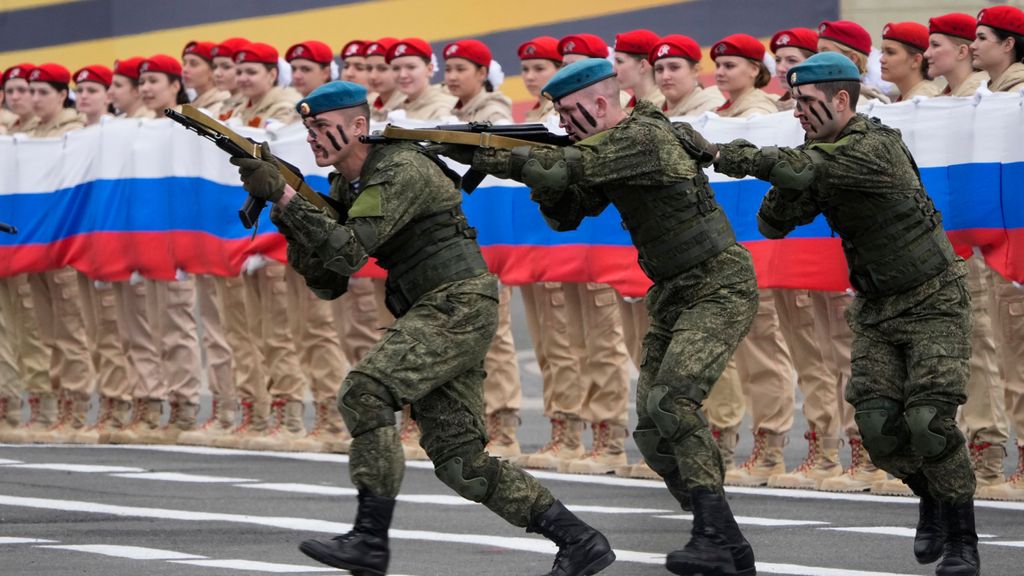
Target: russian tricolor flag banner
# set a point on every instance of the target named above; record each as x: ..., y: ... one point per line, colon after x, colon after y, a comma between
x: 149, y: 196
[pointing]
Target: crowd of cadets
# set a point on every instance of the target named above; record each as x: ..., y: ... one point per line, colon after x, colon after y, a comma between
x: 63, y: 338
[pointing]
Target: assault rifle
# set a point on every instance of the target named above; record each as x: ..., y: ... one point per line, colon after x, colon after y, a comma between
x: 238, y: 147
x: 8, y: 229
x: 481, y: 134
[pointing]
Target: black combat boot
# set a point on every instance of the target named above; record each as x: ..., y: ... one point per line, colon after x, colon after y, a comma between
x: 364, y: 550
x: 708, y: 552
x: 582, y: 551
x: 931, y: 526
x: 742, y: 553
x: 960, y: 556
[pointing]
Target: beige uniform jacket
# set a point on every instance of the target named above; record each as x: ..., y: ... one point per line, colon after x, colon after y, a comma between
x: 1011, y: 80
x: 7, y: 118
x: 925, y: 88
x: 654, y: 97
x: 700, y: 100
x: 753, y: 103
x: 432, y: 104
x: 869, y: 92
x: 380, y: 108
x: 65, y: 121
x: 484, y: 107
x: 15, y: 125
x: 970, y: 85
x: 212, y: 101
x: 277, y: 105
x: 540, y: 112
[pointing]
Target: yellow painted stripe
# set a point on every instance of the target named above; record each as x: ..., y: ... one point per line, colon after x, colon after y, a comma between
x: 435, y: 20
x: 12, y: 5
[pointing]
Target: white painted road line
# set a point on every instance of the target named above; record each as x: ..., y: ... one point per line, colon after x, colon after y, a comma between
x: 538, y: 545
x: 128, y: 552
x: 254, y: 566
x: 82, y: 468
x: 4, y: 462
x: 180, y: 477
x: 9, y: 540
x: 889, y: 531
x: 756, y: 521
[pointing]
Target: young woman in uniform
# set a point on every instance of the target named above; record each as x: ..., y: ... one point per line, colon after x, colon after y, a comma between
x: 224, y: 75
x: 411, y: 58
x: 311, y: 65
x: 950, y: 56
x: 353, y: 62
x: 676, y: 62
x: 633, y: 68
x: 853, y: 41
x: 903, y: 61
x: 999, y: 47
x: 791, y: 47
x: 382, y: 80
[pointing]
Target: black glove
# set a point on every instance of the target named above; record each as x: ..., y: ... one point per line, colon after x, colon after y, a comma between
x: 261, y: 178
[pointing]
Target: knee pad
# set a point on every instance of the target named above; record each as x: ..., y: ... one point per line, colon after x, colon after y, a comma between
x: 474, y: 477
x: 933, y: 431
x: 673, y: 423
x: 882, y: 427
x: 655, y: 450
x: 365, y: 404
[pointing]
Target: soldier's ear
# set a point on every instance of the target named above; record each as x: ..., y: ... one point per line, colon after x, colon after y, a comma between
x: 841, y: 101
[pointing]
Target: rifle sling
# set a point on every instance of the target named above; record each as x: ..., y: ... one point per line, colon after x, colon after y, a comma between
x: 479, y: 139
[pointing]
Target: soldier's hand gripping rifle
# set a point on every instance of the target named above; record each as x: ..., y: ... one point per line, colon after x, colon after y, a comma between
x: 480, y: 134
x: 8, y: 229
x: 237, y: 146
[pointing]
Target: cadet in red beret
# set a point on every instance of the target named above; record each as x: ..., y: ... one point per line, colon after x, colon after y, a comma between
x: 740, y: 73
x: 224, y: 75
x: 576, y: 47
x: 311, y: 65
x: 676, y: 62
x: 91, y: 97
x: 467, y: 65
x: 197, y: 75
x: 160, y: 83
x: 264, y: 101
x: 49, y: 87
x: 353, y: 62
x: 634, y: 71
x: 540, y: 59
x: 903, y: 61
x: 999, y: 47
x: 791, y: 47
x: 949, y: 54
x: 382, y: 80
x: 18, y: 98
x: 853, y: 41
x: 124, y: 89
x: 412, y: 59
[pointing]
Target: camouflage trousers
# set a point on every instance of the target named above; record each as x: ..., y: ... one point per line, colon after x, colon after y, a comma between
x: 697, y: 320
x: 913, y: 349
x: 432, y: 359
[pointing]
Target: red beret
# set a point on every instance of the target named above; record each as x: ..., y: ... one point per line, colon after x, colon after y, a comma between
x: 955, y: 24
x: 1005, y: 18
x: 161, y: 63
x: 310, y: 50
x: 742, y: 45
x: 227, y: 48
x: 410, y: 47
x: 473, y: 50
x: 380, y: 47
x: 584, y: 44
x: 544, y: 47
x: 202, y: 49
x: 257, y: 52
x: 98, y: 74
x: 846, y: 33
x: 909, y: 33
x: 17, y: 71
x: 636, y: 42
x: 795, y: 38
x: 675, y: 46
x: 50, y: 72
x: 354, y: 48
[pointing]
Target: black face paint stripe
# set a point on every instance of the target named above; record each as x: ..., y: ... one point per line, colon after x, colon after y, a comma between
x: 341, y: 131
x: 827, y: 109
x: 816, y: 115
x: 576, y: 123
x: 586, y: 115
x: 334, y: 141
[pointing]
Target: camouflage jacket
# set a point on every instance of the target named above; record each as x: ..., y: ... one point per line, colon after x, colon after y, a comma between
x: 398, y: 185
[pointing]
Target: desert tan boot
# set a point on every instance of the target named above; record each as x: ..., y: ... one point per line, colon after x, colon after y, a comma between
x: 859, y: 477
x: 220, y: 423
x: 287, y: 431
x: 252, y: 424
x: 822, y: 462
x: 565, y: 445
x: 765, y: 461
x: 502, y: 426
x: 606, y: 455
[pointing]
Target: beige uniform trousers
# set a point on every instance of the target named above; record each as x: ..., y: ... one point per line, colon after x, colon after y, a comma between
x: 812, y: 358
x: 635, y: 324
x: 835, y: 333
x: 502, y: 387
x: 241, y: 330
x: 137, y: 312
x: 596, y: 334
x: 725, y: 405
x: 319, y: 351
x: 178, y: 336
x: 1009, y: 331
x: 546, y: 319
x: 211, y: 293
x: 278, y: 343
x: 104, y: 331
x: 33, y: 355
x: 59, y: 311
x: 356, y: 319
x: 10, y: 377
x: 983, y: 416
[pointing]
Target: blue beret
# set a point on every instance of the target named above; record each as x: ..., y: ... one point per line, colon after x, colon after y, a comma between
x: 576, y: 77
x: 331, y: 96
x: 823, y: 67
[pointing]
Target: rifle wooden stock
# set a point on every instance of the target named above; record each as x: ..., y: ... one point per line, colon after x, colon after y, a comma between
x: 238, y: 146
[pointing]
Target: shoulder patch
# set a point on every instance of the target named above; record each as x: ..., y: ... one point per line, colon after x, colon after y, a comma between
x: 368, y: 204
x: 830, y: 147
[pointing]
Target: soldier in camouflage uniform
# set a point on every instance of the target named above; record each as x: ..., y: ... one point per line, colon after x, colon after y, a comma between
x: 911, y: 318
x: 704, y: 296
x: 400, y: 205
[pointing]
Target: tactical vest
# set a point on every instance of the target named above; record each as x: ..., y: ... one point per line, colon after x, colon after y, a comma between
x: 674, y: 228
x: 430, y: 251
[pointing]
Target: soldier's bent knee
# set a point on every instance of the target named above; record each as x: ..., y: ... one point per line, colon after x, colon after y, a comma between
x: 655, y: 450
x: 882, y: 427
x: 933, y: 430
x: 365, y: 404
x: 474, y: 477
x: 673, y: 422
